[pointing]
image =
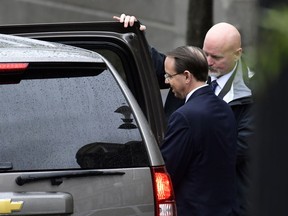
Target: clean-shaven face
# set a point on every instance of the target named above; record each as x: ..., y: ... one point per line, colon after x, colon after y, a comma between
x: 176, y: 82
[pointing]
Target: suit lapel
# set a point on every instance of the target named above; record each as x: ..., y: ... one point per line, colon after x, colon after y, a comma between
x: 227, y: 86
x: 241, y: 70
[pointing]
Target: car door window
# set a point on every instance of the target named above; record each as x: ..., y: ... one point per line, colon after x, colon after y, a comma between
x: 68, y: 123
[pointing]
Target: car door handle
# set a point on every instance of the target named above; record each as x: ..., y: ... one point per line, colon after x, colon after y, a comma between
x: 36, y: 203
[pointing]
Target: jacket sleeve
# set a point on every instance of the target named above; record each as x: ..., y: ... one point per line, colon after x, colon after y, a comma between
x: 158, y: 63
x: 176, y: 149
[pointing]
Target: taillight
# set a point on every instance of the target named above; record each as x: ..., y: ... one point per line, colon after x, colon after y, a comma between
x: 11, y: 73
x: 4, y: 67
x: 163, y: 192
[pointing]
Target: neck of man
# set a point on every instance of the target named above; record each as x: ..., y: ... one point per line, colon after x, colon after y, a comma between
x: 194, y: 86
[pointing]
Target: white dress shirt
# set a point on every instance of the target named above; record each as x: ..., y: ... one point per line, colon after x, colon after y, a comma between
x: 221, y: 81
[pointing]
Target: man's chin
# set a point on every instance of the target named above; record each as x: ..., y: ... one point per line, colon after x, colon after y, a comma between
x: 214, y: 74
x: 178, y: 96
x: 175, y: 94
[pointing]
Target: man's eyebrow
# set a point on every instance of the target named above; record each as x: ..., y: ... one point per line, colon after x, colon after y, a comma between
x: 213, y: 55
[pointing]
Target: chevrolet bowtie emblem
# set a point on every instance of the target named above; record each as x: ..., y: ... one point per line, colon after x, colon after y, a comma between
x: 7, y: 206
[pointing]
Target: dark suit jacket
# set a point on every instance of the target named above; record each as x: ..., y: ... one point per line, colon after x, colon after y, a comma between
x: 199, y: 150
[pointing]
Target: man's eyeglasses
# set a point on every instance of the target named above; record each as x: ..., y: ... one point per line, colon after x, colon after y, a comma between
x: 169, y: 76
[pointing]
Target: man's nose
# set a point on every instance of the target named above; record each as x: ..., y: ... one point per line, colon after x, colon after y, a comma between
x: 209, y: 60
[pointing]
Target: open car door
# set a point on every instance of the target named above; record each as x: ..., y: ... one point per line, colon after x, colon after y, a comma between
x: 126, y: 48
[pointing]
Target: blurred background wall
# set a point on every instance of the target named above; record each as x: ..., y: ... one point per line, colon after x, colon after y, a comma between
x: 166, y: 19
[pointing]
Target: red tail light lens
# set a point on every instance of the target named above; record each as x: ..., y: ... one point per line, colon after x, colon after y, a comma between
x: 163, y: 186
x: 12, y: 66
x: 10, y: 73
x: 164, y: 194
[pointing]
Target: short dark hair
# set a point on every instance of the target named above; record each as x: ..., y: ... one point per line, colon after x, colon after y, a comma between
x: 192, y: 59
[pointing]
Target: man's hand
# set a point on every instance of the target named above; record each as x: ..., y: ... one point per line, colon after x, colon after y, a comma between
x: 128, y: 21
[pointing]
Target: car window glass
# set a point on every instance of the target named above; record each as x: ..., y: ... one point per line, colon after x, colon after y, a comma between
x: 114, y: 59
x: 68, y: 123
x: 116, y: 62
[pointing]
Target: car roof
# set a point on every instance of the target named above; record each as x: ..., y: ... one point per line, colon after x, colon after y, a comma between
x: 21, y: 49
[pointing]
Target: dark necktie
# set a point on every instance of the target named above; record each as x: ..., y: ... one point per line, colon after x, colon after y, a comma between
x: 213, y: 85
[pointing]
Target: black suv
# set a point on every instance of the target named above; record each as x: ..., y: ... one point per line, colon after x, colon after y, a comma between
x: 81, y: 120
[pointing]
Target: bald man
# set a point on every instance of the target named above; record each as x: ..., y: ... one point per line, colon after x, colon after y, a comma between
x: 231, y: 78
x: 222, y: 46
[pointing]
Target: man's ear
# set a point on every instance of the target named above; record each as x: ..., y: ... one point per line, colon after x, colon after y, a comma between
x: 237, y: 54
x: 188, y: 76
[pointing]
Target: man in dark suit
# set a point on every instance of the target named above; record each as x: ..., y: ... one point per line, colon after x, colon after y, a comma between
x: 199, y: 148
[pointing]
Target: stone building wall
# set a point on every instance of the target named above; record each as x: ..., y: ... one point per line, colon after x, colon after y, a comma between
x: 165, y: 19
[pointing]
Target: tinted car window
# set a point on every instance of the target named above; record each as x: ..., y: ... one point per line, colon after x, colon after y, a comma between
x: 72, y: 122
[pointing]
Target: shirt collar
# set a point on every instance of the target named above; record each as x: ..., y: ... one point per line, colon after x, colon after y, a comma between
x: 221, y: 81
